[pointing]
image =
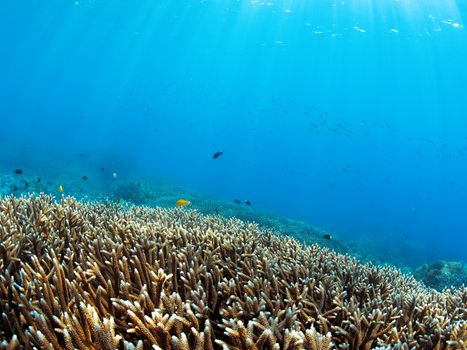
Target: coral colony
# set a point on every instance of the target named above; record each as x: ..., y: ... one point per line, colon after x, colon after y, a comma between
x: 78, y: 275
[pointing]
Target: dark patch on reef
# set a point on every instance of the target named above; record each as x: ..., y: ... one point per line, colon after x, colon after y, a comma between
x: 440, y: 274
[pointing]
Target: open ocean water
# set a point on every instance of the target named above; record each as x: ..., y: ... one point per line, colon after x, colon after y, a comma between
x: 348, y: 116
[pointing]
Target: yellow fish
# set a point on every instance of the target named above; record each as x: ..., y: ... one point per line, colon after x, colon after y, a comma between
x: 182, y: 203
x: 60, y: 188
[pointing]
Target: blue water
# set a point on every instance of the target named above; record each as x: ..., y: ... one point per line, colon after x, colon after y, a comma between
x: 349, y: 115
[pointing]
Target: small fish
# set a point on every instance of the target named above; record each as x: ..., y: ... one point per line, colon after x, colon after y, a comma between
x: 102, y: 169
x: 327, y: 236
x: 139, y: 184
x: 114, y: 175
x: 81, y: 155
x: 38, y: 180
x: 60, y: 189
x: 247, y: 202
x: 217, y: 155
x: 26, y: 184
x: 85, y: 178
x: 182, y: 203
x: 18, y: 171
x: 237, y: 201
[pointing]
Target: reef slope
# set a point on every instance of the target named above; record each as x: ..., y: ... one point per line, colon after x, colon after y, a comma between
x: 77, y: 275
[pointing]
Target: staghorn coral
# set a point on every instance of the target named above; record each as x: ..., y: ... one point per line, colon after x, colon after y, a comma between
x: 94, y: 276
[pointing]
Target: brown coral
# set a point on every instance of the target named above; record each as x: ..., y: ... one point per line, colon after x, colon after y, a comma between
x: 91, y: 276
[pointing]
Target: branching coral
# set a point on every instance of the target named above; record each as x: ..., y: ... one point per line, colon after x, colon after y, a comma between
x: 92, y: 276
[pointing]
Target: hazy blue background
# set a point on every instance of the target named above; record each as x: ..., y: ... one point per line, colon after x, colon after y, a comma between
x: 350, y: 115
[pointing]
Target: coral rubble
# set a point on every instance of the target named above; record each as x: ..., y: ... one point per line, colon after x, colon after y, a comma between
x: 95, y: 276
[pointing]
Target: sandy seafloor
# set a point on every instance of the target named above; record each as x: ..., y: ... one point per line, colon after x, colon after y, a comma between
x: 161, y: 193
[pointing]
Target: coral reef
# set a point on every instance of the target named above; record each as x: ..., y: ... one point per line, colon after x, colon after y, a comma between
x: 439, y: 274
x: 95, y: 276
x: 156, y: 192
x: 12, y: 184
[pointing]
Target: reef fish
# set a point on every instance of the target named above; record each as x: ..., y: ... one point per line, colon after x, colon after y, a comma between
x: 18, y: 171
x: 217, y: 155
x: 237, y: 201
x: 60, y: 189
x: 327, y: 236
x: 182, y: 203
x: 247, y: 202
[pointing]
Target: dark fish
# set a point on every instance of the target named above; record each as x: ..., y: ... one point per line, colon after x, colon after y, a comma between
x: 38, y: 179
x: 26, y: 184
x: 15, y: 188
x: 237, y: 201
x: 85, y: 178
x: 81, y: 155
x: 217, y: 155
x: 102, y: 169
x: 327, y: 236
x: 139, y: 183
x: 18, y: 171
x: 247, y: 202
